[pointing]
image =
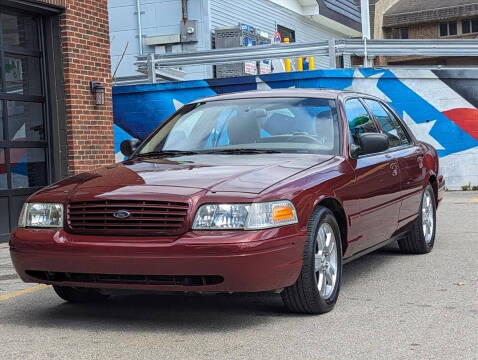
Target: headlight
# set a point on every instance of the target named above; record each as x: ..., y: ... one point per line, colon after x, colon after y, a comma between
x: 245, y: 216
x: 42, y: 215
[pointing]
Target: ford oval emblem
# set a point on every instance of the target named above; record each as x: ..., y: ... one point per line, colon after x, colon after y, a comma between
x: 121, y: 214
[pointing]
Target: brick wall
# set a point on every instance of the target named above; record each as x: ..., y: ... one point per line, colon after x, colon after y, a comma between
x: 418, y: 31
x: 428, y: 30
x: 86, y: 57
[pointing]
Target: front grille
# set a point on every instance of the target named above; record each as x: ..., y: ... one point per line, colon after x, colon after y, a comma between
x: 182, y: 280
x: 162, y: 218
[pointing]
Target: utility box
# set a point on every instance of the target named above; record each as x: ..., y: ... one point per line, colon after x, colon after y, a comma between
x: 189, y: 31
x: 231, y: 37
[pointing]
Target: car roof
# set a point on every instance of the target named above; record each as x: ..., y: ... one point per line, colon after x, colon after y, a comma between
x: 307, y: 92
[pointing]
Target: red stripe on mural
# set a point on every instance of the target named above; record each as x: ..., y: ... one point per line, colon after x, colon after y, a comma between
x: 15, y: 156
x: 465, y: 118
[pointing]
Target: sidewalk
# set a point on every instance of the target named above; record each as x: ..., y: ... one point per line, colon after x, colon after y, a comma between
x: 9, y: 280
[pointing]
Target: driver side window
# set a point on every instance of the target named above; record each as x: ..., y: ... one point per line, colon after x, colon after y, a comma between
x: 388, y: 123
x: 359, y: 120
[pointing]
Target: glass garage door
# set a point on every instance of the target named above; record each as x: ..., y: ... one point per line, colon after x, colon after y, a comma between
x: 24, y: 160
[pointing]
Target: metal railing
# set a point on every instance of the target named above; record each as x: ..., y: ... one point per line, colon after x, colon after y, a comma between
x: 425, y: 47
x: 156, y: 65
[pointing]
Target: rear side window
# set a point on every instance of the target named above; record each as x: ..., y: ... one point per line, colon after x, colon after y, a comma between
x: 358, y: 119
x: 388, y: 123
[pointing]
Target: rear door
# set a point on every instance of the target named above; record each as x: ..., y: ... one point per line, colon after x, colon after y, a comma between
x: 410, y: 160
x: 377, y: 184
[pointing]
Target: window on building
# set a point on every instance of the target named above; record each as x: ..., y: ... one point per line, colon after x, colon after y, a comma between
x: 443, y: 29
x: 286, y: 33
x: 452, y: 28
x: 395, y: 33
x: 449, y: 28
x: 469, y: 26
x: 474, y: 25
x: 400, y: 33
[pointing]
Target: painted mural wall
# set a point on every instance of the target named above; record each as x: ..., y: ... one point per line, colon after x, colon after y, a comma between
x: 440, y: 106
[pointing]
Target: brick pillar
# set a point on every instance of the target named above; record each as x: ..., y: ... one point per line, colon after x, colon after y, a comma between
x: 86, y: 57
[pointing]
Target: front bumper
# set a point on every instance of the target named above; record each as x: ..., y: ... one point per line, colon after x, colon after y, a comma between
x: 246, y: 261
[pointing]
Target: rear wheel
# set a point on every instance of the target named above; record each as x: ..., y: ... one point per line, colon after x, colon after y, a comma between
x: 421, y: 238
x: 317, y: 288
x: 77, y: 294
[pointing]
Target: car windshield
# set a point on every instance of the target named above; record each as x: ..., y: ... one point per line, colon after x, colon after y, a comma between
x: 300, y: 125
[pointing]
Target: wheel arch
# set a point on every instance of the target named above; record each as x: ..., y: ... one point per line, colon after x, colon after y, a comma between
x: 337, y: 209
x: 432, y: 180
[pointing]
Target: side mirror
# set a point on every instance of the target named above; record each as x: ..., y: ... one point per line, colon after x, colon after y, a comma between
x: 371, y: 143
x: 128, y: 147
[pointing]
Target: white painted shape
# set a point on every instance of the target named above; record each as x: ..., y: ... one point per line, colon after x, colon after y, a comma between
x: 20, y: 134
x: 422, y: 131
x: 261, y: 85
x: 119, y: 157
x: 177, y: 104
x: 368, y: 85
x: 437, y: 93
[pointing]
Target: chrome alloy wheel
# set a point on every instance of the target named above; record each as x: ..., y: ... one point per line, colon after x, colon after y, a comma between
x: 427, y: 216
x: 326, y: 260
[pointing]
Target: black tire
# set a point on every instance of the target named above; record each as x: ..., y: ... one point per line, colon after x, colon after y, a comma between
x: 79, y: 295
x: 415, y: 242
x: 304, y: 296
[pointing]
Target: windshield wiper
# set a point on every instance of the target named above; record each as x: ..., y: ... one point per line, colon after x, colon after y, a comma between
x: 167, y: 153
x: 241, y: 151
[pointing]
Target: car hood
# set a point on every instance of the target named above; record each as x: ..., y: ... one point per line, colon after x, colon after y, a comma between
x: 186, y: 175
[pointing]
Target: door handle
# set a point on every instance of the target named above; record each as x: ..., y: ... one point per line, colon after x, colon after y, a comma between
x: 394, y: 168
x: 420, y: 161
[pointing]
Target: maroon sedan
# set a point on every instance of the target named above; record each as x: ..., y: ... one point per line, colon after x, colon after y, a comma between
x: 257, y: 191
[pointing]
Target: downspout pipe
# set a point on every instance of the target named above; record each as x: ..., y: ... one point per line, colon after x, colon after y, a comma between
x: 140, y: 27
x: 184, y: 4
x: 365, y: 18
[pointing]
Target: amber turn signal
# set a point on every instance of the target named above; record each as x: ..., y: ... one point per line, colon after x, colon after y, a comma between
x: 282, y: 213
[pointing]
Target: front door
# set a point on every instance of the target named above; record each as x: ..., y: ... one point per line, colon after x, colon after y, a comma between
x: 377, y: 185
x: 24, y: 150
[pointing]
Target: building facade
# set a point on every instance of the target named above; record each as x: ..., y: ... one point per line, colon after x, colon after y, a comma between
x: 155, y: 26
x: 50, y: 123
x: 427, y: 19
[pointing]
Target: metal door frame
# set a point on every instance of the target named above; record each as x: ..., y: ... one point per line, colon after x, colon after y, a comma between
x: 5, y: 97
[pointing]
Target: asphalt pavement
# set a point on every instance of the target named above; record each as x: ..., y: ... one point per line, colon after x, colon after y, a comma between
x: 391, y: 306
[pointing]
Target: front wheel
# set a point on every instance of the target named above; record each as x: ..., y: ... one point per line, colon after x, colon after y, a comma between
x: 421, y: 238
x: 317, y: 288
x: 79, y: 295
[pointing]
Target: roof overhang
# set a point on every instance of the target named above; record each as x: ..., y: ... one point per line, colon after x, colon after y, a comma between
x: 40, y: 6
x: 310, y: 9
x: 336, y: 26
x: 302, y: 7
x: 391, y: 18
